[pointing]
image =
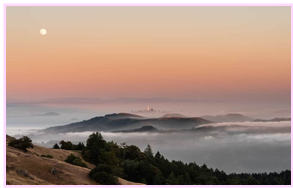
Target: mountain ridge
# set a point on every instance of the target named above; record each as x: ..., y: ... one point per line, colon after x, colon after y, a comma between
x: 115, y: 122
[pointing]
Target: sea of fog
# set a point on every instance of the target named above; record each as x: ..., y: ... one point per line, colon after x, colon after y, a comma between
x: 231, y: 151
x: 23, y: 125
x: 234, y: 150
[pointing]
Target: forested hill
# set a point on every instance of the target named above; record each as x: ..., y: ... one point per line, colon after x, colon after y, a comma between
x: 123, y: 121
x: 111, y: 163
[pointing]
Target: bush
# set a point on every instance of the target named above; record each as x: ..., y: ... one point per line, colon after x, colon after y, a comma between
x: 103, y: 174
x: 77, y: 161
x: 22, y: 143
x: 72, y: 159
x: 47, y: 156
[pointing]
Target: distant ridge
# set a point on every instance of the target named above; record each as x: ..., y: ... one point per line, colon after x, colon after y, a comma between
x: 123, y: 115
x: 232, y: 117
x: 48, y: 114
x: 120, y: 121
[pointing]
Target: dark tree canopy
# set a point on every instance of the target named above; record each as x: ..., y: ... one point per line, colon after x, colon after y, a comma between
x: 65, y: 145
x: 56, y: 146
x: 72, y: 159
x: 103, y: 174
x: 22, y: 143
x: 95, y: 145
x: 127, y: 161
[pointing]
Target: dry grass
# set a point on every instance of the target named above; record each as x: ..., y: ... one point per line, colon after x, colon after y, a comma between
x: 40, y: 167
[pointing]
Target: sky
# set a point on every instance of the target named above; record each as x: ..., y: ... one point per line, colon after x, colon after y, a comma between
x: 204, y: 53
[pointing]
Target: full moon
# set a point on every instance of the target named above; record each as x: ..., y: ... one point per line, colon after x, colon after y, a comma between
x: 43, y: 31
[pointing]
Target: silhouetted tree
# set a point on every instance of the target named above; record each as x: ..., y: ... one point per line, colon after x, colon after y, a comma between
x: 65, y: 145
x: 22, y: 143
x: 56, y: 146
x: 148, y: 151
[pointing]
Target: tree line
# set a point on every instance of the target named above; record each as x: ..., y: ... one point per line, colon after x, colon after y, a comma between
x: 130, y: 163
x: 69, y: 146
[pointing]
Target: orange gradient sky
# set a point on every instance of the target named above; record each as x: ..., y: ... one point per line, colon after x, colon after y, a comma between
x: 205, y: 53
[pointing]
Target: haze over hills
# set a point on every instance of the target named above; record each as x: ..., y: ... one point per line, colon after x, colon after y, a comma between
x: 227, y: 118
x: 103, y: 101
x: 273, y: 120
x: 211, y: 129
x: 115, y: 122
x: 48, y: 114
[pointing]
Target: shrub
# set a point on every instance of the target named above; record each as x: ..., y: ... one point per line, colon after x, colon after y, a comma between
x: 23, y: 143
x: 47, y: 156
x: 72, y: 159
x: 103, y: 174
x: 77, y: 161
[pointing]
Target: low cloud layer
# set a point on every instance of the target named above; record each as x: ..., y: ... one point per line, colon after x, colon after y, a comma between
x: 232, y: 147
x: 251, y: 124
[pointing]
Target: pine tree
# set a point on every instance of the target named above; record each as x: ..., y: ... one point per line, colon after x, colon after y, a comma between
x: 157, y: 156
x: 148, y: 151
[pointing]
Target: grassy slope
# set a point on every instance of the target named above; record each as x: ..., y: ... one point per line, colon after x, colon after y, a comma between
x: 39, y: 168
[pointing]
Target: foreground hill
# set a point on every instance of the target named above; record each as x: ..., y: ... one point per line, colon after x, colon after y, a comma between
x: 122, y: 121
x: 228, y: 118
x: 29, y: 168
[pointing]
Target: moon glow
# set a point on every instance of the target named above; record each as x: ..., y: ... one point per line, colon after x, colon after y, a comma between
x: 43, y: 31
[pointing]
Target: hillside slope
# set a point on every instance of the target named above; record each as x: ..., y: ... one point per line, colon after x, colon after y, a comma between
x: 28, y: 168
